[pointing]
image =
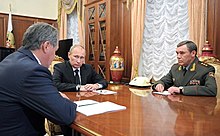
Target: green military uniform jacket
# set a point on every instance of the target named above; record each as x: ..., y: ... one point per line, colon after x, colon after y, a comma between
x: 198, y: 79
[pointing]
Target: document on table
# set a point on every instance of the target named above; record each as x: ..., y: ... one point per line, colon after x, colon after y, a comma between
x: 91, y: 107
x: 105, y: 92
x: 163, y: 93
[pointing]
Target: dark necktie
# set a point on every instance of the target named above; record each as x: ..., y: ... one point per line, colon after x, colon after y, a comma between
x: 184, y: 71
x: 77, y: 81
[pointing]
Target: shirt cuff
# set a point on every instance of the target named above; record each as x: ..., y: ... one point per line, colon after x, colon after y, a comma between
x: 100, y: 85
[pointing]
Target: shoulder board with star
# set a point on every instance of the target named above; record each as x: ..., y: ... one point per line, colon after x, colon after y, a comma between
x: 205, y: 64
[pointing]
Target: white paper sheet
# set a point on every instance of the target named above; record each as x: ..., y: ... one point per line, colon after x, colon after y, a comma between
x: 98, y: 108
x: 163, y: 93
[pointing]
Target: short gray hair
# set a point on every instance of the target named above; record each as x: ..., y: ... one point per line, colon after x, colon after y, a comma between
x: 39, y: 33
x: 76, y: 45
x: 191, y: 46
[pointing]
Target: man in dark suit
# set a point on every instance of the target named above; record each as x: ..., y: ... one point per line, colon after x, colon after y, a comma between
x: 74, y: 76
x: 189, y: 76
x: 86, y: 78
x: 27, y: 92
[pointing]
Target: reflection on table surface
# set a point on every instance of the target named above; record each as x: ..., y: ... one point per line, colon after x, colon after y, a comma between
x: 150, y: 114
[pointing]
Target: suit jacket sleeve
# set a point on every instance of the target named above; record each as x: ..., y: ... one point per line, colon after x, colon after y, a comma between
x: 97, y: 78
x: 39, y: 94
x: 166, y: 81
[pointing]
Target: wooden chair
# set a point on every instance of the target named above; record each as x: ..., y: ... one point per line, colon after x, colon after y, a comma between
x: 208, y: 57
x: 215, y: 63
x: 51, y: 128
x: 56, y: 60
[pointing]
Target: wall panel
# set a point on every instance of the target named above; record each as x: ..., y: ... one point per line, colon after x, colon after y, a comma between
x: 2, y: 29
x: 20, y: 27
x: 213, y: 25
x: 20, y: 24
x: 125, y: 38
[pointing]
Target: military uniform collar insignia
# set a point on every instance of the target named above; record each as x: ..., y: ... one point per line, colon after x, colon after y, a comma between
x: 180, y: 68
x: 193, y: 67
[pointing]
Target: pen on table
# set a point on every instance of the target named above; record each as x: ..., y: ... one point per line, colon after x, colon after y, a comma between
x: 87, y: 104
x: 102, y: 91
x: 98, y: 91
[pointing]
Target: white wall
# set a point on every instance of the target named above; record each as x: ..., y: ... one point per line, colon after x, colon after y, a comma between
x: 33, y: 8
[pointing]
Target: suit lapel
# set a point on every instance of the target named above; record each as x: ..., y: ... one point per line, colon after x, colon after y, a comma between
x: 83, y: 74
x: 70, y: 72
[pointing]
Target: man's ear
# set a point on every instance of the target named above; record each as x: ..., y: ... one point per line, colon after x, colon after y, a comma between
x: 45, y: 46
x: 193, y: 53
x: 69, y: 54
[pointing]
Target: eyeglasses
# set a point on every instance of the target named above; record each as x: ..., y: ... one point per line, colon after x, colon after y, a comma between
x: 79, y: 57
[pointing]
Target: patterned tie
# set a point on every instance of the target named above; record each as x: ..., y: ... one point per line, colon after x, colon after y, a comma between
x: 77, y: 81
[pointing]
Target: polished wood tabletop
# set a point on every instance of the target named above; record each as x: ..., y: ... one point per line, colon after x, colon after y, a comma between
x: 148, y: 114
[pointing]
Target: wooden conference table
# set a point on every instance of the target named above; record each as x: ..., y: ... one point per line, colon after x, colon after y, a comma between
x: 148, y: 114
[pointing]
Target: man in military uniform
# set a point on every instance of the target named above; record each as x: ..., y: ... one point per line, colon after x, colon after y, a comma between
x: 190, y: 76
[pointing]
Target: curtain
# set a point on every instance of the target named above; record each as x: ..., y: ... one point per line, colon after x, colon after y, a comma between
x: 62, y: 25
x: 69, y: 5
x: 197, y: 22
x: 137, y: 25
x: 81, y: 22
x: 165, y: 25
x: 65, y: 7
x: 71, y: 21
x: 129, y: 2
x: 73, y: 27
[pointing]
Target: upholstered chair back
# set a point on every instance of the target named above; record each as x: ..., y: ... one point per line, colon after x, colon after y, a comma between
x: 56, y: 60
x: 216, y: 63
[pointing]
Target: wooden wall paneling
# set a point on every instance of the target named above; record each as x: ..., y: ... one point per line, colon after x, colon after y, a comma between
x: 210, y: 22
x: 20, y: 24
x: 19, y: 27
x: 87, y: 47
x: 113, y: 27
x: 94, y: 40
x: 87, y: 2
x: 114, y: 23
x: 2, y: 30
x: 213, y: 25
x: 118, y: 33
x: 217, y: 28
x: 125, y: 39
x: 52, y: 22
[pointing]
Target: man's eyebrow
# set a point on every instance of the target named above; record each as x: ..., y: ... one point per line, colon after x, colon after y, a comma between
x: 180, y: 51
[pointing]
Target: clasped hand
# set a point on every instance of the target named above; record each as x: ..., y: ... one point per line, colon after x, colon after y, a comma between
x: 172, y: 90
x: 89, y: 87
